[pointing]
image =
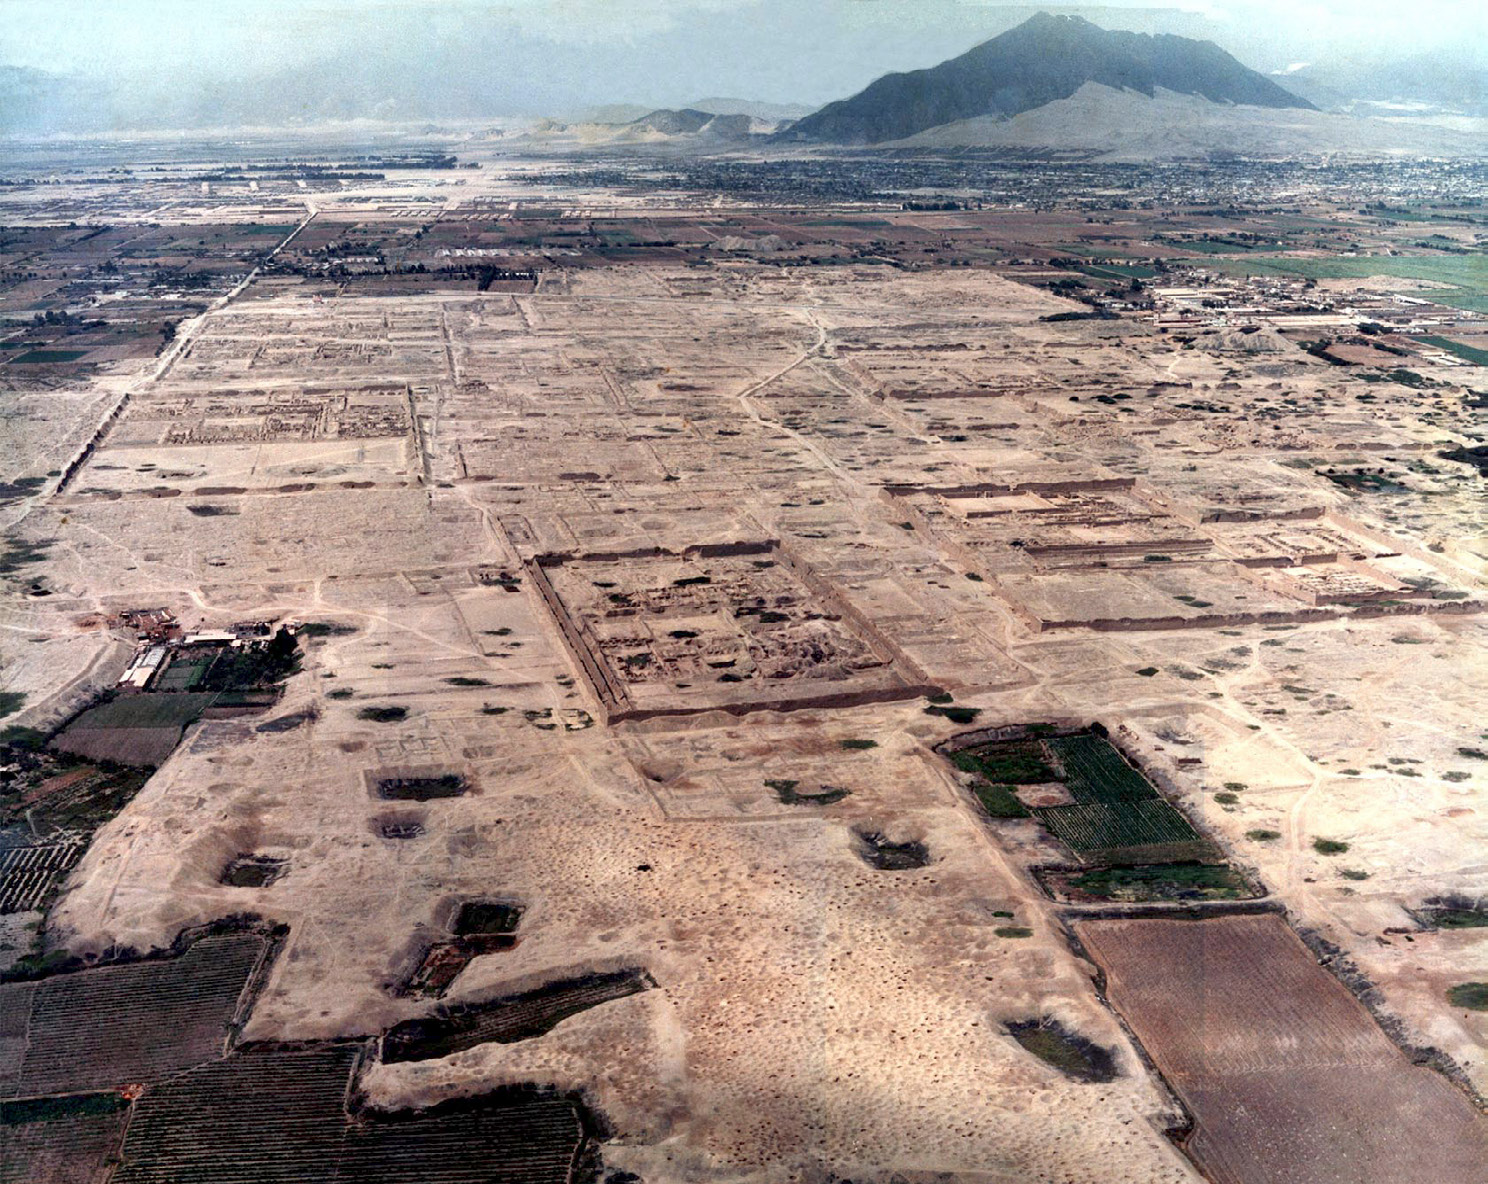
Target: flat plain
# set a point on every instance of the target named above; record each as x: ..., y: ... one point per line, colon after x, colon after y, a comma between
x: 639, y: 571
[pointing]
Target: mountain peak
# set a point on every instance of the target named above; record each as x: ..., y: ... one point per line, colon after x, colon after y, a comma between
x: 1045, y: 59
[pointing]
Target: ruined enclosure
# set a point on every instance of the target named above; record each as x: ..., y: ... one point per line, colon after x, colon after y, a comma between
x: 741, y: 627
x: 1123, y: 554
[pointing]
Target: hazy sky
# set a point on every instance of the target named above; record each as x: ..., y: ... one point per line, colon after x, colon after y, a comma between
x: 541, y: 52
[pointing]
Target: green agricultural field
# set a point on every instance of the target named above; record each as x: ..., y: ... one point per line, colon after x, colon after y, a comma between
x: 146, y: 711
x: 1096, y: 773
x: 1118, y: 271
x: 1178, y: 881
x: 1019, y: 763
x: 1478, y: 357
x: 1110, y: 829
x: 1467, y: 274
x: 1214, y: 246
x: 183, y: 675
x: 1000, y: 801
x: 1117, y: 816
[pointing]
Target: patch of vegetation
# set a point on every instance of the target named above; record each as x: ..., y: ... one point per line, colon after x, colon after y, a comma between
x: 1000, y: 801
x: 1066, y: 1051
x: 31, y: 1110
x: 340, y: 693
x: 1478, y: 357
x: 1473, y: 996
x: 383, y: 715
x: 1018, y: 763
x: 1173, y: 881
x: 857, y: 744
x: 1147, y: 671
x: 1457, y: 914
x: 1262, y: 835
x: 940, y: 699
x: 11, y: 702
x: 1354, y: 873
x: 24, y: 739
x: 957, y: 715
x: 253, y: 667
x: 1013, y: 931
x: 786, y: 790
x: 1225, y: 798
x: 462, y: 680
x: 492, y: 709
x: 326, y: 629
x: 881, y: 852
x: 1329, y: 846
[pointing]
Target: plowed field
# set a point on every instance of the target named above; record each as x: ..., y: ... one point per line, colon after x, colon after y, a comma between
x: 1289, y: 1079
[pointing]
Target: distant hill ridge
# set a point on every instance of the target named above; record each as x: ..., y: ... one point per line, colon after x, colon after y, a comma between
x: 1043, y: 60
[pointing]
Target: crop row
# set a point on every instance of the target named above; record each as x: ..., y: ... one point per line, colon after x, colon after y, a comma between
x: 28, y: 874
x: 278, y: 1115
x: 99, y: 1029
x: 1087, y: 826
x: 1095, y: 771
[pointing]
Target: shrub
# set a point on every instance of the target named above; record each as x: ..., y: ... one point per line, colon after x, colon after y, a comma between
x: 1473, y: 996
x: 957, y: 715
x: 383, y: 715
x: 1329, y: 846
x: 1261, y: 835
